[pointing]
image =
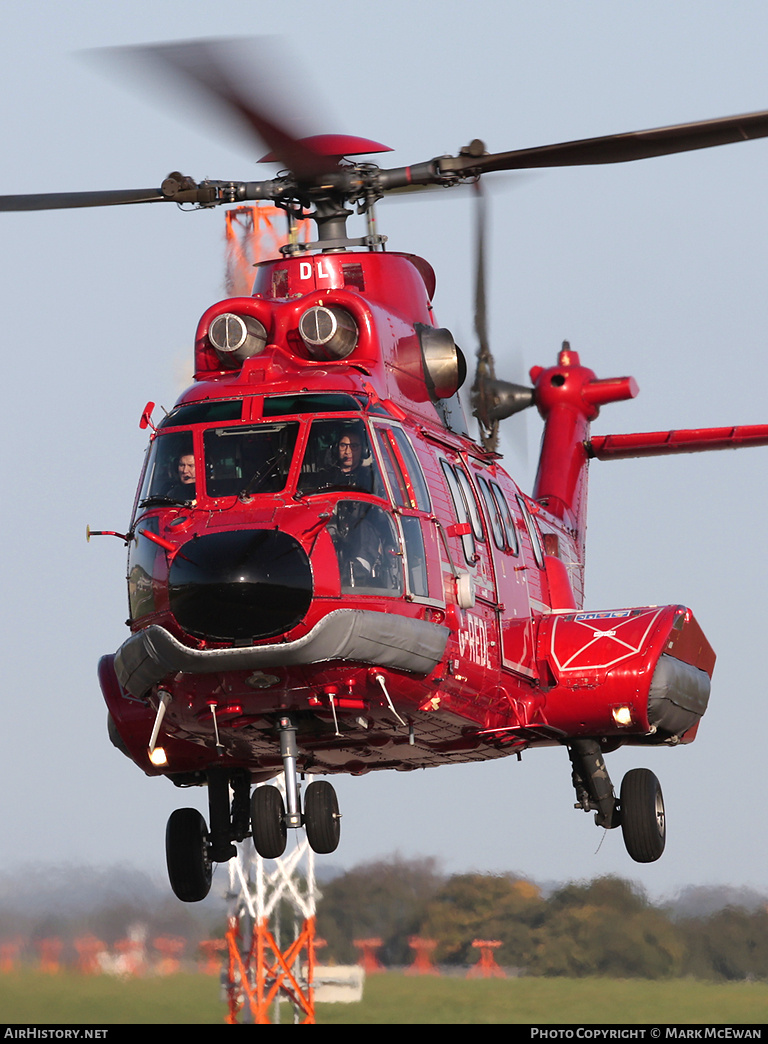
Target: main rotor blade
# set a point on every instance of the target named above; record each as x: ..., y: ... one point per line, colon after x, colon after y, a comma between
x: 223, y: 72
x: 485, y: 373
x: 481, y: 310
x: 618, y: 148
x: 67, y: 200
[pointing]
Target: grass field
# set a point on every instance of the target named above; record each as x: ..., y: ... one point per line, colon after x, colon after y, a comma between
x: 31, y: 997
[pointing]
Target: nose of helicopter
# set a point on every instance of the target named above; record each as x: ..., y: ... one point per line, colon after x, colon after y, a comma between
x: 242, y: 584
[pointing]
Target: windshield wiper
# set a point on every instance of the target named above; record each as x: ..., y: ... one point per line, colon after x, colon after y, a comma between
x: 157, y: 499
x: 261, y: 476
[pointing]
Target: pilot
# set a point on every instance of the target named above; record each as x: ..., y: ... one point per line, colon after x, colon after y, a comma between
x: 348, y: 468
x: 184, y: 484
x: 186, y: 469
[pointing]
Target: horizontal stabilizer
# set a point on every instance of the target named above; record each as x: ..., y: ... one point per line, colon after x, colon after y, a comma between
x: 663, y: 443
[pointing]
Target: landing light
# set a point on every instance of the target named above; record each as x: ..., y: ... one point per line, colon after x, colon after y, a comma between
x: 622, y: 715
x: 158, y: 757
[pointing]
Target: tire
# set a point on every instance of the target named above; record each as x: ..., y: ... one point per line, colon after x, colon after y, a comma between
x: 187, y: 855
x: 643, y: 821
x: 321, y: 817
x: 268, y: 822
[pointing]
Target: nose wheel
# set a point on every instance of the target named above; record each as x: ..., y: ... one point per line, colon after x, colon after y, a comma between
x: 322, y: 818
x: 271, y: 818
x: 268, y: 825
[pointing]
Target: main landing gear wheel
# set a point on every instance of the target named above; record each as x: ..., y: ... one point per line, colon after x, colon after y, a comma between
x: 321, y: 817
x: 268, y: 822
x: 643, y: 822
x: 187, y: 854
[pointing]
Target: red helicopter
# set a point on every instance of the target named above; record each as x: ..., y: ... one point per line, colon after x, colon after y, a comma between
x: 328, y: 574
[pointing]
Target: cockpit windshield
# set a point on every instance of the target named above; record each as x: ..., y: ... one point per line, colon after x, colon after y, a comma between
x: 171, y: 475
x: 245, y: 461
x: 339, y: 457
x: 248, y: 460
x: 238, y: 461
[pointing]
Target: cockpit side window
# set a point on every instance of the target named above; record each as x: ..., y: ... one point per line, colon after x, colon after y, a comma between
x: 367, y: 548
x: 397, y: 481
x: 406, y: 479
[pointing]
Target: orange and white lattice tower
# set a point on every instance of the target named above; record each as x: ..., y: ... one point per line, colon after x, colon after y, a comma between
x: 255, y: 234
x: 270, y: 956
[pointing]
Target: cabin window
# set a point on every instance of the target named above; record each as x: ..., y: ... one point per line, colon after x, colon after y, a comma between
x: 248, y: 460
x: 171, y: 475
x: 511, y: 542
x: 338, y: 457
x: 494, y: 514
x: 469, y: 497
x: 533, y: 533
x: 462, y: 512
x: 367, y: 548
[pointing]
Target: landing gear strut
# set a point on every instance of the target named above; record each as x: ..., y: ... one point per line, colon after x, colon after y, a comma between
x: 639, y: 810
x: 192, y: 849
x: 270, y: 818
x: 594, y: 789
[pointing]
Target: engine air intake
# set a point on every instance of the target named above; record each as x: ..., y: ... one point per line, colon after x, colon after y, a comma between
x: 328, y: 332
x: 236, y: 337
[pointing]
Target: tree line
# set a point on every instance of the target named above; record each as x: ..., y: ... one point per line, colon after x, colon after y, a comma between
x: 605, y: 927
